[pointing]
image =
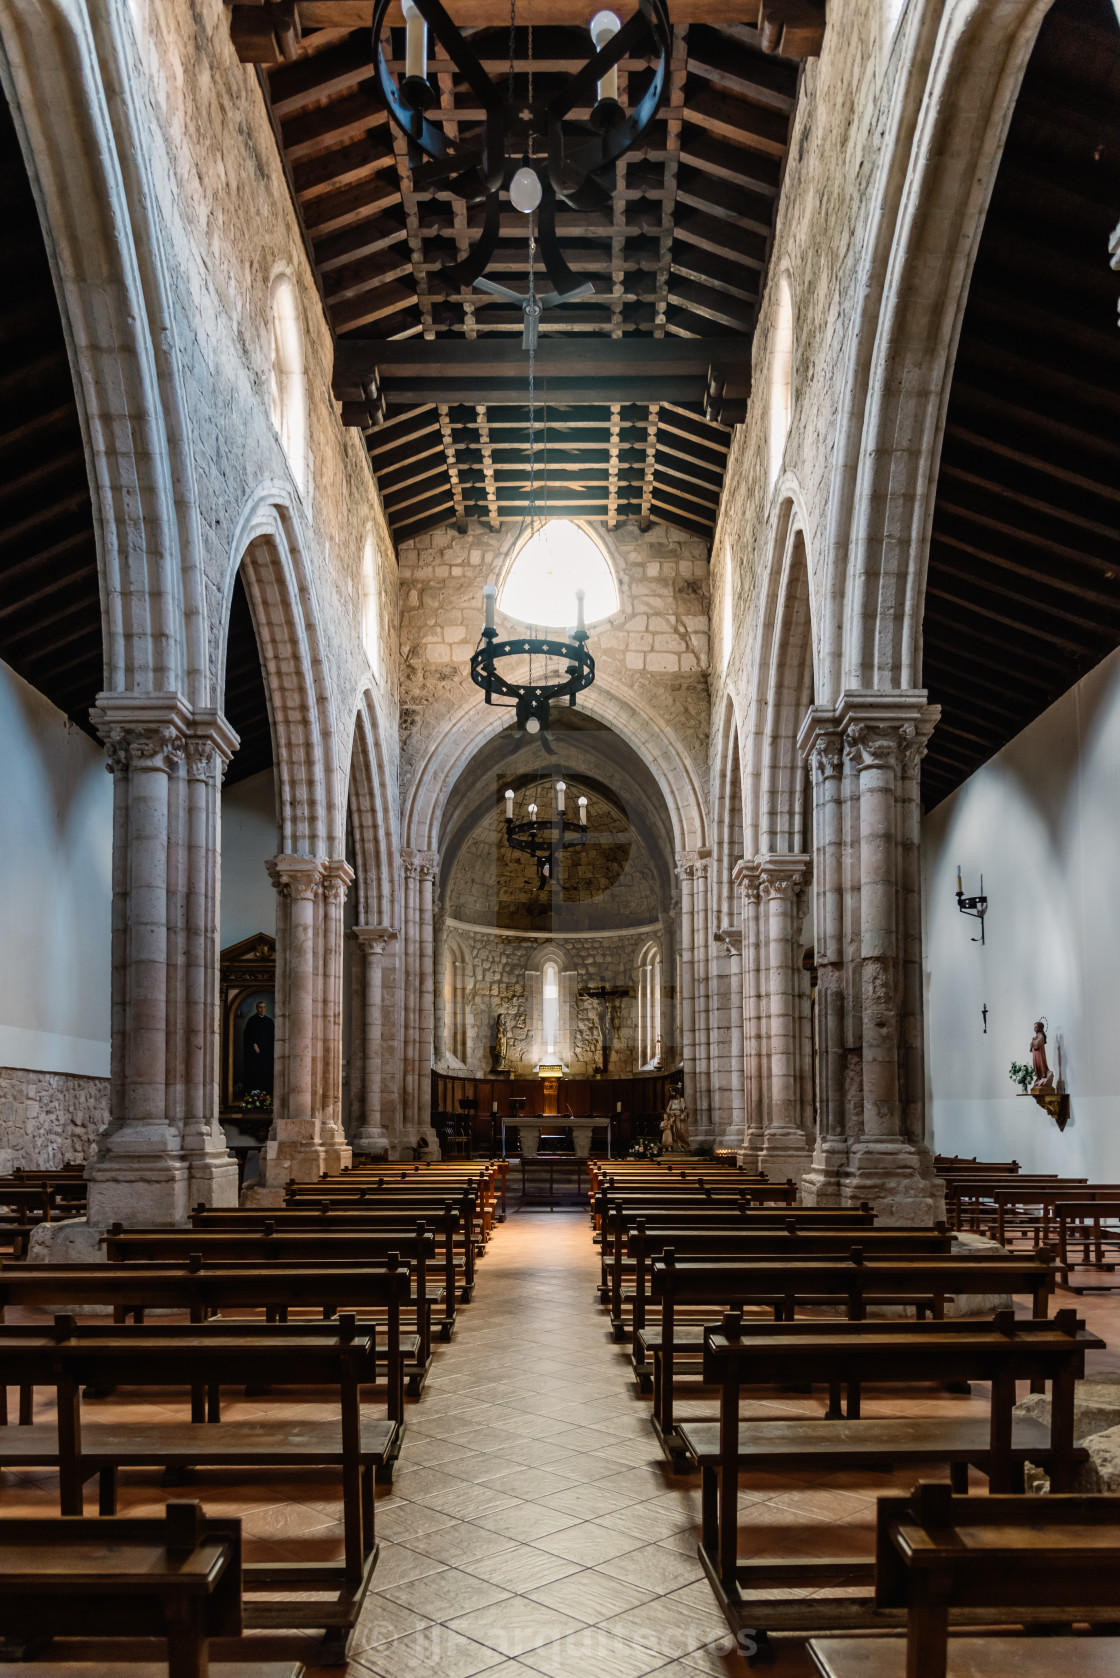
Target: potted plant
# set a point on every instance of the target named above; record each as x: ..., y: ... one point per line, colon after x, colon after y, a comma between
x: 1021, y: 1074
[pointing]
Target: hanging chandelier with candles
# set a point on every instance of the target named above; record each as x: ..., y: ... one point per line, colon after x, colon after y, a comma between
x: 537, y: 150
x: 538, y: 669
x: 544, y: 837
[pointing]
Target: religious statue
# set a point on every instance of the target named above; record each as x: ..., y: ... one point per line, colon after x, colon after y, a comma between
x: 501, y: 1044
x: 1043, y: 1077
x: 674, y: 1126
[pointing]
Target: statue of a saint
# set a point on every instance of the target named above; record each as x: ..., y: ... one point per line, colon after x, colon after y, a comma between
x: 674, y: 1126
x: 1043, y: 1077
x: 501, y: 1044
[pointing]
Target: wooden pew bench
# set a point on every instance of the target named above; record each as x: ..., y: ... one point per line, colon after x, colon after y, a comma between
x: 178, y: 1578
x: 405, y: 1209
x: 1093, y: 1224
x: 854, y: 1284
x: 738, y: 1356
x: 75, y: 1357
x: 300, y: 1248
x: 946, y: 1561
x: 202, y: 1293
x: 446, y: 1228
x: 648, y: 1238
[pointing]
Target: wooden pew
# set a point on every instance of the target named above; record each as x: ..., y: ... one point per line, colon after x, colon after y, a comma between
x: 786, y: 1284
x: 74, y: 1357
x: 405, y: 1206
x: 446, y: 1227
x: 1076, y: 1219
x: 298, y: 1248
x: 647, y: 1238
x: 622, y: 1212
x: 200, y: 1291
x: 944, y: 1560
x: 739, y: 1355
x: 178, y: 1578
x: 969, y: 1200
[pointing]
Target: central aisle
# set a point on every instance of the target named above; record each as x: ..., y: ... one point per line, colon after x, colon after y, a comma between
x: 533, y: 1525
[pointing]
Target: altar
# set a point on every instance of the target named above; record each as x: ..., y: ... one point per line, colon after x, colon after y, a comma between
x: 530, y: 1131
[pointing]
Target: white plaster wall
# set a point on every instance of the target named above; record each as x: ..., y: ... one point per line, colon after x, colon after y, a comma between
x: 1041, y: 822
x: 248, y: 839
x: 56, y: 829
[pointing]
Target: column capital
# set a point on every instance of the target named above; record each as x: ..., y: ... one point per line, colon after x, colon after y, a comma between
x: 886, y: 730
x: 337, y: 878
x: 821, y: 743
x: 782, y: 874
x: 210, y: 743
x: 420, y: 865
x: 145, y: 730
x: 373, y: 939
x: 745, y: 879
x: 296, y: 876
x: 694, y: 865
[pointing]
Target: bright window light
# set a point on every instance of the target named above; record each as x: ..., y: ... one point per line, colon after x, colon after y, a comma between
x: 550, y: 1012
x: 558, y: 559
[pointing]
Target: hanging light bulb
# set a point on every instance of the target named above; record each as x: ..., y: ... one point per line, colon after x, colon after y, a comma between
x: 509, y: 804
x: 415, y: 84
x: 525, y: 190
x: 561, y: 789
x: 583, y: 812
x: 604, y: 27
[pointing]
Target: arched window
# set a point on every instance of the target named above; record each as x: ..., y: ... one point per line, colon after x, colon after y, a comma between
x: 649, y: 1005
x: 781, y: 379
x: 289, y: 378
x: 455, y: 1002
x: 550, y: 1010
x: 371, y: 601
x: 558, y: 559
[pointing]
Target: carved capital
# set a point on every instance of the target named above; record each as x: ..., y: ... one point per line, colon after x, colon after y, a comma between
x: 420, y: 865
x: 783, y: 876
x: 821, y: 743
x: 210, y: 745
x: 373, y: 940
x: 886, y: 730
x: 694, y: 865
x: 297, y: 877
x: 870, y: 746
x: 338, y: 876
x: 745, y: 878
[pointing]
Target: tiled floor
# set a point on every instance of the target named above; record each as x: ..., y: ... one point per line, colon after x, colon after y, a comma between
x: 533, y: 1526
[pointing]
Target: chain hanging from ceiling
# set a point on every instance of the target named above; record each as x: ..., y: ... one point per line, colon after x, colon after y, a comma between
x: 539, y: 152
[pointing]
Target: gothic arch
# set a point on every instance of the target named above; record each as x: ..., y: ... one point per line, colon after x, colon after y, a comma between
x: 939, y: 160
x: 371, y: 821
x: 311, y: 790
x: 728, y: 815
x: 63, y: 70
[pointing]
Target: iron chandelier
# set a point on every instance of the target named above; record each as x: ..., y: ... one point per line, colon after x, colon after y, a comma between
x: 532, y: 688
x: 546, y: 839
x: 536, y: 150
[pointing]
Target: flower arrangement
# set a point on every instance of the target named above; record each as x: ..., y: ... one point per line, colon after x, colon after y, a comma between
x: 1022, y: 1075
x: 257, y: 1101
x: 645, y: 1148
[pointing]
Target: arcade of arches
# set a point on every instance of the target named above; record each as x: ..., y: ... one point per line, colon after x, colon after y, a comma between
x: 852, y: 632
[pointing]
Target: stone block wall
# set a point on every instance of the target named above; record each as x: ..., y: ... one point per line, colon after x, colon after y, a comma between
x: 49, y: 1118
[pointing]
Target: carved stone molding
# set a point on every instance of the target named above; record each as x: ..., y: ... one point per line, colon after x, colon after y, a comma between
x: 373, y: 940
x: 744, y: 877
x: 821, y: 744
x: 210, y: 745
x: 337, y: 877
x: 297, y: 877
x: 783, y: 875
x: 420, y: 865
x: 732, y: 937
x: 694, y: 865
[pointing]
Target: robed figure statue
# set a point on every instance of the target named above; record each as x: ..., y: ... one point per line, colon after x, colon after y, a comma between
x: 259, y: 1043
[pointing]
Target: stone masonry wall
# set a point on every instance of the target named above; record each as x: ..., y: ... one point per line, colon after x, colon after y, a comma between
x: 49, y: 1118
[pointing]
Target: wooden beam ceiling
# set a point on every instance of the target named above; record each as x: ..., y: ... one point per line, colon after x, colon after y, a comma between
x: 1023, y: 593
x: 638, y: 385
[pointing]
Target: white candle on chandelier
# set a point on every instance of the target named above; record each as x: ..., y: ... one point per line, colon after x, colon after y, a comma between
x: 509, y: 804
x: 532, y: 812
x: 561, y: 789
x: 604, y: 27
x: 489, y: 596
x: 579, y: 608
x: 583, y: 812
x: 416, y: 42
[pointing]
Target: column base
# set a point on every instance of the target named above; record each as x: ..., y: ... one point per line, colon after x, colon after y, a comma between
x: 822, y: 1183
x: 785, y: 1153
x: 371, y: 1142
x: 898, y: 1180
x: 292, y: 1159
x: 140, y: 1190
x: 213, y: 1180
x: 748, y: 1155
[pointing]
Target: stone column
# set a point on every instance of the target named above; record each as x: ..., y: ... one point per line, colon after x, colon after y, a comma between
x: 785, y: 1147
x: 420, y: 868
x: 822, y: 745
x: 294, y: 1148
x: 337, y: 878
x: 731, y: 1122
x: 755, y: 1073
x: 692, y: 871
x: 883, y: 734
x: 370, y: 1137
x: 138, y: 1170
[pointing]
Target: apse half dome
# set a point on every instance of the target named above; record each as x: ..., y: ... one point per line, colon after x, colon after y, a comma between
x: 558, y: 559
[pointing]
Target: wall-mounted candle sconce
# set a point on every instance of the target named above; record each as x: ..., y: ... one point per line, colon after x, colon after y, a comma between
x: 977, y: 906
